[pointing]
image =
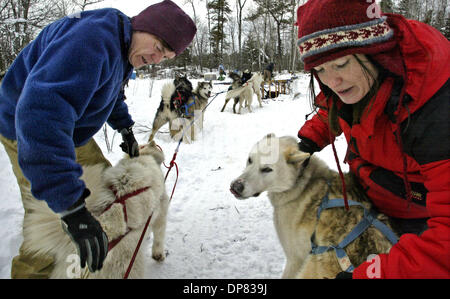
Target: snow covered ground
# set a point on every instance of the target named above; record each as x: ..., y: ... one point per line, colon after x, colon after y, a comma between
x: 210, y: 234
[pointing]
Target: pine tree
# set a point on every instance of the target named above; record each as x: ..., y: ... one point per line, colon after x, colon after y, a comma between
x: 250, y: 52
x: 220, y: 9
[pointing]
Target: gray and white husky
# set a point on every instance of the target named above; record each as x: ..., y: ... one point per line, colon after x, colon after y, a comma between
x: 178, y: 107
x: 296, y: 184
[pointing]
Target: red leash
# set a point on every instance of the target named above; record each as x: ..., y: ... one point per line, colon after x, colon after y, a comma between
x: 137, y: 247
x: 172, y: 163
x: 344, y: 188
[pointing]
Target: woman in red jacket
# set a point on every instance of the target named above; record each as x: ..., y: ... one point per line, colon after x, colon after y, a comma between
x: 384, y: 83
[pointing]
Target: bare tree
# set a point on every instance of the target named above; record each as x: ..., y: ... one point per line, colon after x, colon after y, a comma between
x: 20, y: 21
x: 197, y: 48
x: 83, y: 3
x: 239, y: 9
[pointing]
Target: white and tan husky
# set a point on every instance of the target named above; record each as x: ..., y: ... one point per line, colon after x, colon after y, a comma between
x: 296, y: 189
x: 243, y: 93
x: 140, y: 179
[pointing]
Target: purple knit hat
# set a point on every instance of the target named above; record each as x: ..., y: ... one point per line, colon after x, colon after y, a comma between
x: 168, y: 22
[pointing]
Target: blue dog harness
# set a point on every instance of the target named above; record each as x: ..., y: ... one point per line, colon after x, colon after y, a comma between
x: 179, y: 103
x: 368, y: 220
x: 187, y: 106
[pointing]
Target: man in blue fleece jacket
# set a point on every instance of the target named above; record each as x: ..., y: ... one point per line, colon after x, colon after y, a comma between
x: 57, y: 95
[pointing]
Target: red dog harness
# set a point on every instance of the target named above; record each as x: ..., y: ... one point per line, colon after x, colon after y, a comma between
x: 121, y: 200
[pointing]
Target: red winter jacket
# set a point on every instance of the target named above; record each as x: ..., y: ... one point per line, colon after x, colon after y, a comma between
x: 375, y: 156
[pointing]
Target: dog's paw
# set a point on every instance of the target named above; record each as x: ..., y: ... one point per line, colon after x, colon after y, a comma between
x: 159, y: 257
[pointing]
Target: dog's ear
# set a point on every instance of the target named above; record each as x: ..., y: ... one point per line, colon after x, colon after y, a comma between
x: 294, y: 156
x: 154, y: 150
x: 271, y: 135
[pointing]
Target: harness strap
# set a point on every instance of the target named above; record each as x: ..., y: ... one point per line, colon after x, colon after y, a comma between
x: 344, y: 260
x: 386, y: 231
x: 178, y: 101
x: 121, y: 200
x: 187, y: 106
x: 335, y: 203
x: 357, y: 230
x: 116, y: 241
x: 369, y: 219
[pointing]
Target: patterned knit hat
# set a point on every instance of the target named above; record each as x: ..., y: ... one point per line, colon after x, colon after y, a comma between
x: 167, y: 21
x: 330, y: 29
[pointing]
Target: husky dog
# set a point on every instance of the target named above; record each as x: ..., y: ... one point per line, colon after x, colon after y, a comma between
x: 173, y: 97
x: 256, y: 81
x: 142, y: 181
x: 243, y: 92
x: 178, y: 104
x: 194, y: 108
x: 296, y: 183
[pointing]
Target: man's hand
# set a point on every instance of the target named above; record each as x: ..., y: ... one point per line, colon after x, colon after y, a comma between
x: 87, y: 234
x: 129, y: 144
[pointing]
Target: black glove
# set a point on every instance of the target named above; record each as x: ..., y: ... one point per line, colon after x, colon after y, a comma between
x: 87, y: 234
x: 129, y: 144
x: 344, y: 275
x: 308, y: 146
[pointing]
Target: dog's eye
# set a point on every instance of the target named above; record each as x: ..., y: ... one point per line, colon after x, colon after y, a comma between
x: 266, y: 169
x: 249, y: 161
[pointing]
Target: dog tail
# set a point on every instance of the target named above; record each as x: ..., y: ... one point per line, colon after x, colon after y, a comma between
x: 236, y: 92
x: 167, y: 90
x: 42, y: 229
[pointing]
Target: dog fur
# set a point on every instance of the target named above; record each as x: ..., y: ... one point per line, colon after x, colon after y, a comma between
x: 296, y: 191
x: 256, y: 81
x: 43, y: 232
x: 167, y: 113
x: 243, y: 93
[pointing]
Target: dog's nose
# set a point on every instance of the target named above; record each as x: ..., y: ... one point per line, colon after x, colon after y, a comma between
x: 237, y: 187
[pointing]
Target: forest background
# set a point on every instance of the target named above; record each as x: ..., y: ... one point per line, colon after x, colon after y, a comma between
x: 239, y: 34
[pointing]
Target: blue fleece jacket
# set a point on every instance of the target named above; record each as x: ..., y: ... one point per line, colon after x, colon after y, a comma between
x: 59, y: 92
